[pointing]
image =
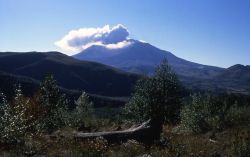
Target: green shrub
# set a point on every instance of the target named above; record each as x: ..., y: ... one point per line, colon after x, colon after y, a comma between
x: 192, y: 117
x: 238, y: 115
x: 203, y: 113
x: 14, y: 120
x: 83, y: 113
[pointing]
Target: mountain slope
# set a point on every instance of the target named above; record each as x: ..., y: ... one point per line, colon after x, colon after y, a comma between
x: 238, y: 71
x: 70, y: 73
x: 143, y: 58
x: 9, y: 81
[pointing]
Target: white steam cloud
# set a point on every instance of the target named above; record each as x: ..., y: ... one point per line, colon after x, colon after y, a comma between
x: 78, y: 40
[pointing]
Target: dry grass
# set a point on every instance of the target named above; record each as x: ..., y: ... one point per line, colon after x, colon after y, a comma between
x: 177, y: 145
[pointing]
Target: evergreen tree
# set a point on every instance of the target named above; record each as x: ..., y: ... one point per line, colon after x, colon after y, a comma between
x: 5, y: 119
x: 14, y: 121
x: 54, y: 106
x: 83, y: 111
x: 156, y: 98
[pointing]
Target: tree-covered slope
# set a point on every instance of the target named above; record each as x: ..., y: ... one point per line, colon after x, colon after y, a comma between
x: 70, y: 73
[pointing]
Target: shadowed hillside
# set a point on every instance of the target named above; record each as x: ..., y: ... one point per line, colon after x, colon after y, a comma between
x: 70, y: 73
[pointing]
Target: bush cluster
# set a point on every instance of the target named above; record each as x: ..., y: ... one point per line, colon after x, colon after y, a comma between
x: 206, y: 112
x: 15, y: 120
x: 24, y: 117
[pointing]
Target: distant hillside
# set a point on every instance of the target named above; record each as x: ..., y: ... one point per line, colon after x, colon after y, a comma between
x: 235, y: 79
x: 70, y: 73
x: 8, y: 83
x: 238, y: 71
x: 142, y: 58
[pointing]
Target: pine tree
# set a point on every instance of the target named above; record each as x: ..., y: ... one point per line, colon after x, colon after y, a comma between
x: 14, y: 120
x: 5, y: 119
x: 54, y: 106
x: 156, y: 98
x: 83, y: 111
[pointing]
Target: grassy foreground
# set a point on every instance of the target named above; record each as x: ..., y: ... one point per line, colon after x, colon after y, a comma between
x: 229, y: 142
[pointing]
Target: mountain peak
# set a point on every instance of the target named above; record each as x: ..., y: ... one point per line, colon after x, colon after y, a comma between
x: 239, y: 67
x: 132, y: 42
x: 141, y: 57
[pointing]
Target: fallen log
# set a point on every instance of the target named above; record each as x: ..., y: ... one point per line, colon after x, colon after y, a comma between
x: 146, y: 133
x: 143, y: 133
x: 137, y: 133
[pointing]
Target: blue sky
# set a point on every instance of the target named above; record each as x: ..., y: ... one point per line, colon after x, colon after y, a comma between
x: 214, y: 32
